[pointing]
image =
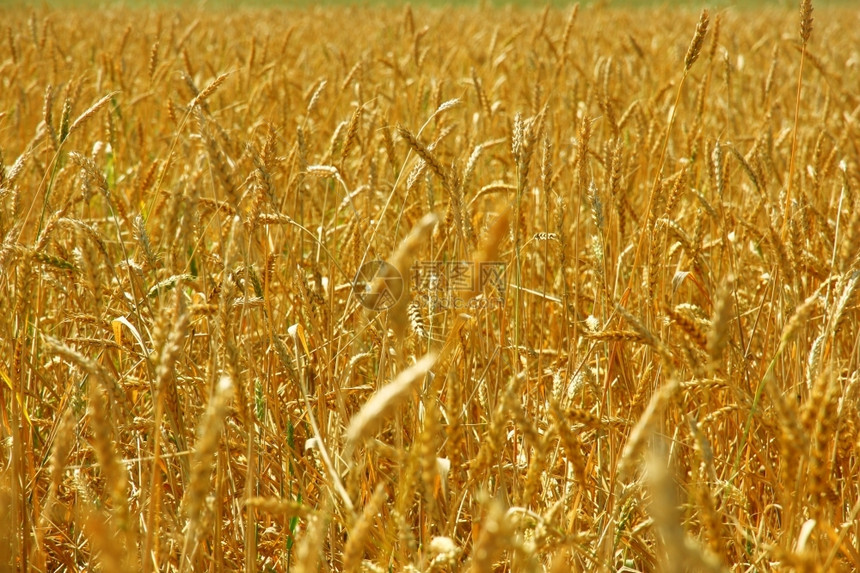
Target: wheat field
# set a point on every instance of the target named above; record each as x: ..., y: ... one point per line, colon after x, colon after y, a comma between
x: 429, y: 289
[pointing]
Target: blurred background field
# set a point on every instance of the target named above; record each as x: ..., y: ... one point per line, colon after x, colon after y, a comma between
x: 225, y: 4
